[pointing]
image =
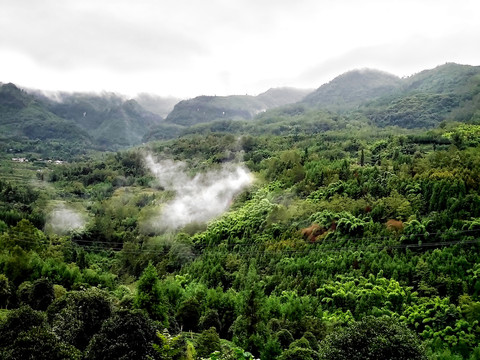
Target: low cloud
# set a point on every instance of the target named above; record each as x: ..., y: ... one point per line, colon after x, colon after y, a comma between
x: 197, y: 199
x: 63, y: 219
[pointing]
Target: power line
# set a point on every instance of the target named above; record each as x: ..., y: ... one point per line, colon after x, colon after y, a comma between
x: 423, y: 234
x: 255, y: 248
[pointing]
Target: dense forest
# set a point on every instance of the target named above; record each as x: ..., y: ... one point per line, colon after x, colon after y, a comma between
x: 305, y: 233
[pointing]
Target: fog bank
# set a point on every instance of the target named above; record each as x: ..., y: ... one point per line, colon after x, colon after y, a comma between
x: 199, y: 198
x: 63, y: 219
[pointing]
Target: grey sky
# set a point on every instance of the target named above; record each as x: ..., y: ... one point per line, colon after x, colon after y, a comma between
x: 187, y: 47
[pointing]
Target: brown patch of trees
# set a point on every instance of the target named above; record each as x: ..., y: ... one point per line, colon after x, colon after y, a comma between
x: 394, y: 225
x: 314, y: 231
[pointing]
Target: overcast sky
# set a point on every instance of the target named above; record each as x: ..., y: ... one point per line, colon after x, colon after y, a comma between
x: 186, y: 48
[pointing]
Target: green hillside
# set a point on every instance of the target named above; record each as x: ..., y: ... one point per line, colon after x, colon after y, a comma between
x: 209, y: 108
x: 204, y: 109
x: 359, y: 99
x: 423, y: 100
x: 448, y: 92
x: 27, y: 126
x: 111, y: 120
x: 445, y: 79
x: 352, y: 89
x: 22, y: 115
x: 347, y: 244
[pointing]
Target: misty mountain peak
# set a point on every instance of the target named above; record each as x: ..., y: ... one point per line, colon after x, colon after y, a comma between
x: 353, y: 87
x: 234, y: 107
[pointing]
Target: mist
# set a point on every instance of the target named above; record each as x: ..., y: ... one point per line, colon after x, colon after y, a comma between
x: 197, y: 199
x: 62, y: 219
x: 157, y: 104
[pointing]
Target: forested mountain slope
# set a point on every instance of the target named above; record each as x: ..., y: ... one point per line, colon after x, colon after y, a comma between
x: 111, y: 120
x: 352, y: 89
x: 28, y: 127
x: 235, y: 107
x: 359, y: 98
x: 450, y: 91
x: 356, y: 99
x: 78, y: 121
x: 346, y: 244
x: 23, y: 115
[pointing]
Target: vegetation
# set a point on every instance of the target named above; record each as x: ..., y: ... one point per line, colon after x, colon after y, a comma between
x: 204, y: 109
x: 353, y: 241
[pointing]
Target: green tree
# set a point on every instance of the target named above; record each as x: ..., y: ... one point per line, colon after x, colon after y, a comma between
x: 207, y: 342
x: 372, y: 339
x: 209, y: 319
x: 126, y: 335
x: 5, y: 291
x: 170, y: 347
x: 17, y: 266
x: 149, y: 296
x: 79, y: 315
x: 18, y: 321
x: 39, y: 343
x: 25, y: 235
x: 42, y: 294
x: 188, y: 314
x: 271, y: 350
x: 249, y: 324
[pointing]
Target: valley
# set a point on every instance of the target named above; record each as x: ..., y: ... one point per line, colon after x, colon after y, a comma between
x: 334, y: 223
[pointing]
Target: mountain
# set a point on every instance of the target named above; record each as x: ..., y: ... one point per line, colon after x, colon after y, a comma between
x: 112, y: 120
x: 445, y: 79
x: 449, y: 91
x: 91, y: 121
x: 235, y: 107
x: 353, y: 88
x: 360, y: 97
x: 24, y: 116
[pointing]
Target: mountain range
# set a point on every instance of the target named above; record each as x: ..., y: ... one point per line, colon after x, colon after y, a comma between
x: 110, y: 121
x: 235, y: 107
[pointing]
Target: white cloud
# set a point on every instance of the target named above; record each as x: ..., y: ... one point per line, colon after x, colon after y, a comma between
x: 199, y: 198
x: 63, y: 219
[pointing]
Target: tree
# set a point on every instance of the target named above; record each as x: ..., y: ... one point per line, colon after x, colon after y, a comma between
x: 209, y: 319
x: 207, y: 342
x: 188, y: 314
x: 374, y: 339
x: 79, y: 315
x: 171, y: 347
x: 24, y: 291
x: 26, y: 235
x: 126, y: 335
x: 271, y: 350
x: 251, y: 307
x: 5, y: 291
x: 19, y: 320
x: 17, y: 266
x: 284, y: 338
x: 149, y: 296
x: 42, y: 294
x: 39, y: 343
